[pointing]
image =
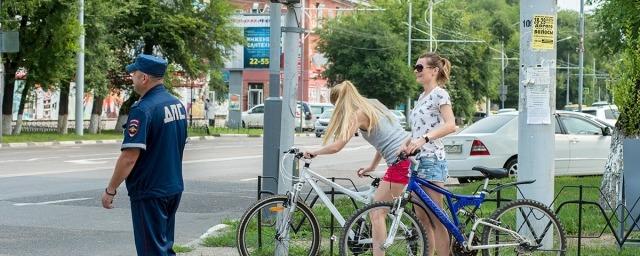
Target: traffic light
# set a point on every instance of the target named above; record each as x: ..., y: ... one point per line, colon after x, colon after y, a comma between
x: 285, y: 1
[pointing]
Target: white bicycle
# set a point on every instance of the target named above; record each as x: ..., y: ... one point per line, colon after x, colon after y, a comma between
x: 285, y: 224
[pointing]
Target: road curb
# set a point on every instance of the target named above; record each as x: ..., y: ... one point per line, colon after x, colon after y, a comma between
x: 114, y: 141
x: 213, y: 231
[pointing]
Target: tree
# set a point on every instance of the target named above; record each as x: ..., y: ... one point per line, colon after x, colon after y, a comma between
x: 102, y: 48
x: 362, y: 49
x: 195, y: 36
x: 620, y: 37
x: 48, y: 38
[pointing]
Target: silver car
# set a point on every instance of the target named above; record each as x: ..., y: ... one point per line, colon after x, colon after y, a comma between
x: 322, y: 122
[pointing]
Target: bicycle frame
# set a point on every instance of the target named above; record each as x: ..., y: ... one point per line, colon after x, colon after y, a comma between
x: 313, y: 178
x: 461, y: 201
x: 452, y: 224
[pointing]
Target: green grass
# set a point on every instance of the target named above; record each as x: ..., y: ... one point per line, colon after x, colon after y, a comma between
x: 224, y: 239
x: 592, y: 225
x: 181, y: 249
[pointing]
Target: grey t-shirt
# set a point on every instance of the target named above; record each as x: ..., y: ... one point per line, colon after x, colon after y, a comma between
x: 387, y: 137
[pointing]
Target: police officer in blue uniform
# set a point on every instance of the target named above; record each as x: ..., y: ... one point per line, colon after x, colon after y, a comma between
x: 151, y: 158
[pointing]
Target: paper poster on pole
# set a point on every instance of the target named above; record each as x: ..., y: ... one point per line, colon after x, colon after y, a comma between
x: 543, y: 32
x: 537, y: 93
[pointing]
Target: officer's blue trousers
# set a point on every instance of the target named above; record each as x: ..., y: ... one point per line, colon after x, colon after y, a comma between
x: 154, y: 222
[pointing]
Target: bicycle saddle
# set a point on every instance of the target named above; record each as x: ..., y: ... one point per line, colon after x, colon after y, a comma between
x: 495, y: 173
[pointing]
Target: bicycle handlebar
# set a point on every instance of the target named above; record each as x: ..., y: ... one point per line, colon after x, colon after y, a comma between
x: 403, y: 156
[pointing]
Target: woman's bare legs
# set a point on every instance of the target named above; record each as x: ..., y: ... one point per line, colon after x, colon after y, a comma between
x: 437, y: 234
x: 385, y: 192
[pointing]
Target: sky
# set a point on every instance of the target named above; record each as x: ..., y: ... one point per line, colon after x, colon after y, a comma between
x: 574, y: 5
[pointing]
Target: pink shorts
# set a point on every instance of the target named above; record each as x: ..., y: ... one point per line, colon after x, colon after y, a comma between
x: 398, y: 173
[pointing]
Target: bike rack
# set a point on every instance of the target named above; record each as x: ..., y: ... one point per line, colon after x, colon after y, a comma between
x: 331, y: 192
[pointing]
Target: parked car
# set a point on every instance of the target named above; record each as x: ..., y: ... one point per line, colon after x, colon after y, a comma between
x: 607, y: 113
x: 319, y: 108
x: 254, y: 117
x: 401, y: 118
x: 322, y: 122
x: 581, y: 145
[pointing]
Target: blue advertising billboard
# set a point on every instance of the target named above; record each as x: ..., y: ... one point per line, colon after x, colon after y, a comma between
x: 256, y: 51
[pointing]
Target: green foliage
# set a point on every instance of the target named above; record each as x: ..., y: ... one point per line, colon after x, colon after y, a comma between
x: 620, y: 37
x: 361, y: 48
x: 627, y: 91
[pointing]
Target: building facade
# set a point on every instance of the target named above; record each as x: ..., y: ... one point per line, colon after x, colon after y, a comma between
x: 253, y: 16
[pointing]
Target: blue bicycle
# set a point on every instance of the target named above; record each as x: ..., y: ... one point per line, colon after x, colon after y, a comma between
x: 521, y: 227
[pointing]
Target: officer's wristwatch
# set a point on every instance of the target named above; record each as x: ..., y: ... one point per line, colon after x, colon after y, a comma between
x: 426, y: 138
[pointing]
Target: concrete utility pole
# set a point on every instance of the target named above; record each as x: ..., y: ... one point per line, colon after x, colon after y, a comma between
x: 538, y: 35
x: 273, y: 105
x: 581, y: 60
x: 291, y: 47
x: 80, y: 75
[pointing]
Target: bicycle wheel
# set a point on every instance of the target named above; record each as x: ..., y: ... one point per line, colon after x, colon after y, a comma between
x: 259, y: 228
x: 356, y: 237
x: 540, y: 230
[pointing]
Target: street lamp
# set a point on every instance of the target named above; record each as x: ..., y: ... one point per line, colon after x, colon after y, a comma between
x: 431, y: 4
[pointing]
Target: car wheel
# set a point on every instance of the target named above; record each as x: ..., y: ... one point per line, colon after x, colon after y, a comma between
x: 244, y: 125
x: 318, y: 135
x: 512, y: 166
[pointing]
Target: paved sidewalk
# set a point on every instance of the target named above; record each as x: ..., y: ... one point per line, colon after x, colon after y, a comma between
x: 200, y: 250
x: 212, y: 251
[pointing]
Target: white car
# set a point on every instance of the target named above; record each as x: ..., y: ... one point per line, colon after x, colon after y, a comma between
x: 582, y: 145
x: 254, y: 117
x: 607, y: 113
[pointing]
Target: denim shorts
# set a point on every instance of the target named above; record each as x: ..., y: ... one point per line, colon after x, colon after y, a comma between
x: 432, y: 169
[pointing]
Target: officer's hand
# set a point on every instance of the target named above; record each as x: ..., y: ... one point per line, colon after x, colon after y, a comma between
x: 107, y: 201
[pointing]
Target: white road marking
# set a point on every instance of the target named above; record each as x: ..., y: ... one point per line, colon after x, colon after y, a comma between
x: 221, y: 159
x: 91, y: 161
x: 53, y: 202
x: 249, y: 179
x: 28, y: 160
x: 51, y: 172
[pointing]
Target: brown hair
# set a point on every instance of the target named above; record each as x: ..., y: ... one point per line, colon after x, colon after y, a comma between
x: 443, y: 65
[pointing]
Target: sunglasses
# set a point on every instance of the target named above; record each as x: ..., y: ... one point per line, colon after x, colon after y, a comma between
x: 420, y: 67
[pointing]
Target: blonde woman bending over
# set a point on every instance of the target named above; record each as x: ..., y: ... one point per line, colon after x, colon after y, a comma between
x: 380, y: 128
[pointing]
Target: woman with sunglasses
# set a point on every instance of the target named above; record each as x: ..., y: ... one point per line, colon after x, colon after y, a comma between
x: 381, y: 129
x: 431, y: 119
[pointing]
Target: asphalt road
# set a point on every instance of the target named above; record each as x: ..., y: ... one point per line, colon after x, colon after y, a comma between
x: 50, y: 196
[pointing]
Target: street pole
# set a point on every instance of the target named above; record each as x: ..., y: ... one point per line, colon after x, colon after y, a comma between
x: 80, y: 75
x: 273, y: 106
x: 568, y: 78
x: 595, y: 81
x: 430, y: 25
x: 581, y: 59
x: 407, y: 110
x: 503, y: 89
x: 536, y: 124
x: 291, y: 49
